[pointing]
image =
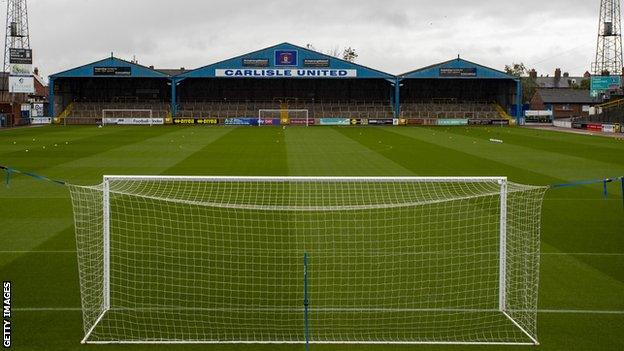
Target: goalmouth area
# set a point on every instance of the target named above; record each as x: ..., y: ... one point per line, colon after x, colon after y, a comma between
x: 401, y: 260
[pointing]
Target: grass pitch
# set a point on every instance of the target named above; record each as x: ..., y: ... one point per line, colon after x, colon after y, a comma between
x: 582, y: 271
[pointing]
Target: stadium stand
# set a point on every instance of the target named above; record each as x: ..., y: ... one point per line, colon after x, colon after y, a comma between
x: 316, y: 109
x: 611, y: 112
x: 84, y: 112
x: 286, y: 82
x: 450, y: 109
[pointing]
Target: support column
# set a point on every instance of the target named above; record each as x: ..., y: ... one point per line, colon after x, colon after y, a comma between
x: 51, y: 100
x: 518, y: 101
x: 174, y: 98
x: 397, y: 98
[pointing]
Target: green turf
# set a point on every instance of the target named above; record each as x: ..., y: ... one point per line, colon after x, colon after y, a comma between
x: 582, y: 239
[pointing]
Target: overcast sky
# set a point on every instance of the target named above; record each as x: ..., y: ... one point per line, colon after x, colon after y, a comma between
x: 392, y: 35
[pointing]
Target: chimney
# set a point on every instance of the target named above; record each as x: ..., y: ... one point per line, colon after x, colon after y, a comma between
x: 558, y: 73
x: 566, y: 75
x: 533, y: 74
x: 587, y: 74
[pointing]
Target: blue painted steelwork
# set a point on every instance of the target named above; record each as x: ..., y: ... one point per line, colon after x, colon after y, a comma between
x: 397, y: 98
x: 518, y: 101
x: 306, y: 301
x: 303, y: 55
x: 434, y: 71
x: 87, y: 71
x: 174, y: 97
x: 51, y: 107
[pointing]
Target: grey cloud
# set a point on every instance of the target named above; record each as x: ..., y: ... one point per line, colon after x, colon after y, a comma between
x: 393, y: 36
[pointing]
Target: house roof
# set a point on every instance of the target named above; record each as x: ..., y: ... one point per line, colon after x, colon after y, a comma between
x: 130, y: 70
x: 562, y: 82
x: 566, y: 96
x: 457, y: 69
x: 266, y: 59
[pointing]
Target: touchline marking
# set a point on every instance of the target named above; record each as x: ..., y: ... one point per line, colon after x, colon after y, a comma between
x: 543, y: 311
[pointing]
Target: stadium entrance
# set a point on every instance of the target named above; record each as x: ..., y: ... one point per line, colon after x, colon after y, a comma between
x: 458, y: 92
x: 285, y: 84
x: 110, y: 91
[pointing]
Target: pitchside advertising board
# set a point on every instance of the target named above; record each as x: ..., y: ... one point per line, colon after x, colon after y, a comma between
x: 302, y: 122
x: 335, y: 122
x: 196, y: 121
x: 134, y: 121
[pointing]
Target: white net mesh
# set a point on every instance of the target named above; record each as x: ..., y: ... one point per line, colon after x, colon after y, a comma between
x: 390, y: 260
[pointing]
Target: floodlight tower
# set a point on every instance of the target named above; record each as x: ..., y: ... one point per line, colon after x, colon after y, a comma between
x: 609, y: 49
x: 17, y: 34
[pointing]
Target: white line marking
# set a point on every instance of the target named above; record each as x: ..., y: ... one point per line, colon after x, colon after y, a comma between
x: 543, y: 253
x: 543, y: 311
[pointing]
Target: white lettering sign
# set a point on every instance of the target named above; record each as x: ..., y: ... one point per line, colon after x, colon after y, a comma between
x: 286, y: 73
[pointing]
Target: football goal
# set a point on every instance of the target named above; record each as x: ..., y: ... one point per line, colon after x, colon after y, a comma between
x: 129, y: 117
x: 316, y: 260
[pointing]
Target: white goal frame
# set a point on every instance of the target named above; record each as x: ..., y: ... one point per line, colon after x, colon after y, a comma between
x: 104, y: 111
x: 307, y: 113
x: 502, y: 304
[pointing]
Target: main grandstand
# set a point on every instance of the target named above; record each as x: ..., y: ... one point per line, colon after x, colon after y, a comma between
x: 283, y: 84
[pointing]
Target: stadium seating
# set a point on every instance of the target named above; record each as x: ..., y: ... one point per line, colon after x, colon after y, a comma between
x: 316, y: 109
x: 449, y: 109
x: 84, y: 112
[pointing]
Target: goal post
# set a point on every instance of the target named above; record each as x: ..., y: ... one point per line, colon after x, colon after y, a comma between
x: 398, y: 260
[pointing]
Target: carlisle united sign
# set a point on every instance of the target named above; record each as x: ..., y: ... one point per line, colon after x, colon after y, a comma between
x: 286, y: 73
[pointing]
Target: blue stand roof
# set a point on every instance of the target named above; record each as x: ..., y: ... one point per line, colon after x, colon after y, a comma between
x: 457, y: 69
x: 286, y: 61
x: 111, y: 67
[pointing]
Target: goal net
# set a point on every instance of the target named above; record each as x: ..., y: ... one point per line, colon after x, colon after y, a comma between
x: 388, y: 260
x: 289, y: 116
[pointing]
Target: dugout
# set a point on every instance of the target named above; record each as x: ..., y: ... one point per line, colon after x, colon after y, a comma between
x: 83, y: 92
x: 459, y: 90
x: 284, y: 78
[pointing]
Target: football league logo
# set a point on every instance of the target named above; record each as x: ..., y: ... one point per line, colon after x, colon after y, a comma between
x: 286, y: 58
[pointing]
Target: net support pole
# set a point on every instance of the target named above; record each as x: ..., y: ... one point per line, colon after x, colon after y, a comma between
x: 106, y: 244
x: 622, y: 179
x: 306, y: 301
x: 502, y: 291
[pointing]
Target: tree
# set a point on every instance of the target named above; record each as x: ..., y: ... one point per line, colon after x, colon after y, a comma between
x: 585, y: 84
x: 529, y: 86
x: 349, y: 54
x: 516, y: 69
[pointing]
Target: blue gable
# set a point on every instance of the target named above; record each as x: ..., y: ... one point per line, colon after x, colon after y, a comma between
x: 457, y: 69
x: 285, y: 61
x: 109, y: 68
